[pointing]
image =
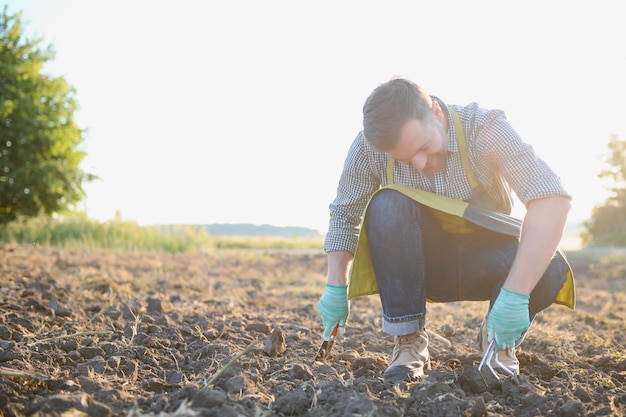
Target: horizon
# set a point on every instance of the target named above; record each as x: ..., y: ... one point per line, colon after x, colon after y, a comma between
x: 571, y: 239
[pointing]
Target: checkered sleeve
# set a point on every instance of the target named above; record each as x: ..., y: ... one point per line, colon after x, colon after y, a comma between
x: 507, y: 155
x: 357, y: 183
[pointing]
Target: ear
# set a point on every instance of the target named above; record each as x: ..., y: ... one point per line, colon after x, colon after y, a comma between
x: 438, y: 111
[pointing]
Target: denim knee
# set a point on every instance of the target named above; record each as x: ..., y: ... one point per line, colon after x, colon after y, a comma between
x: 385, y: 202
x: 546, y: 290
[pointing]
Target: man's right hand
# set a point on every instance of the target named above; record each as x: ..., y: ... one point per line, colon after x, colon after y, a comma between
x: 334, y: 307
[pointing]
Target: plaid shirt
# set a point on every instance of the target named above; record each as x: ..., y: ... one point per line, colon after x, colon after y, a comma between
x: 496, y: 153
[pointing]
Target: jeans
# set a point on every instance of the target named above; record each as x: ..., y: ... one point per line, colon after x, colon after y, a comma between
x: 414, y: 259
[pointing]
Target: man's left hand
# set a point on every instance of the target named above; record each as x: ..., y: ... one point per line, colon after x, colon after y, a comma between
x: 508, y: 318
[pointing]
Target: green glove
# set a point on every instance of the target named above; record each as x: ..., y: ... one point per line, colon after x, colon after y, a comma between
x: 333, y: 307
x: 508, y: 318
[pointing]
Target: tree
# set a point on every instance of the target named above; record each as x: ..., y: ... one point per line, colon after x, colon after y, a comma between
x: 607, y: 225
x: 39, y: 141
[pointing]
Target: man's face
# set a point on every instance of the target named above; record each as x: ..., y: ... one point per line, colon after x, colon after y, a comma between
x: 423, y: 144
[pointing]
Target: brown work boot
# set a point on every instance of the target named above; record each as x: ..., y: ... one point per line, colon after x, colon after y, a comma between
x: 410, y: 358
x: 505, y: 356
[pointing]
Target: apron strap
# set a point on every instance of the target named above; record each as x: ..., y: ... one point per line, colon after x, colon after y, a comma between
x: 460, y: 137
x: 390, y: 165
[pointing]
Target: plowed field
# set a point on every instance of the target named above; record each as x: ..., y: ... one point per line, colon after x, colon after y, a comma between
x: 235, y: 334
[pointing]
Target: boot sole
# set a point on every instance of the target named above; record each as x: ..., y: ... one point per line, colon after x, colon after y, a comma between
x: 406, y: 373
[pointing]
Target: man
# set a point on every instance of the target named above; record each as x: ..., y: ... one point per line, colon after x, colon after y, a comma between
x: 421, y: 214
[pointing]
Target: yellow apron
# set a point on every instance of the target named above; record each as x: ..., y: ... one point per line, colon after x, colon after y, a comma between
x: 455, y: 216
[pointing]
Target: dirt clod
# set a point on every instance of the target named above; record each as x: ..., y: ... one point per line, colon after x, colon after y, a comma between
x: 275, y: 344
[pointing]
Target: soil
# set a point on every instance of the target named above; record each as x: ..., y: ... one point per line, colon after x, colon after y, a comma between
x: 236, y: 333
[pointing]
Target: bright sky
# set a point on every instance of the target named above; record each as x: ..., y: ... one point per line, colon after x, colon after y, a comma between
x: 243, y: 111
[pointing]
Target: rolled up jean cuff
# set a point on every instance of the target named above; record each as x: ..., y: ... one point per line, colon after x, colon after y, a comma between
x: 405, y: 325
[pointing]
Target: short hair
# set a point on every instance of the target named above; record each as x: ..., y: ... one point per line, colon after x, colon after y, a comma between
x: 389, y: 107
